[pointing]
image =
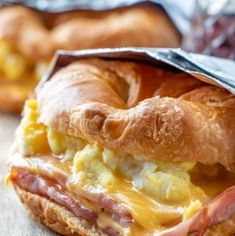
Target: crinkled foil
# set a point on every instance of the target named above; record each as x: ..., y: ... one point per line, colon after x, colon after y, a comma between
x: 212, y: 70
x: 180, y: 12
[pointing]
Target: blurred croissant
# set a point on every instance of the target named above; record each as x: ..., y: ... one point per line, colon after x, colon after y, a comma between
x: 28, y: 41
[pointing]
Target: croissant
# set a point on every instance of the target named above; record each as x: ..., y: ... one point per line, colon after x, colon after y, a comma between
x: 125, y: 148
x: 28, y: 41
x: 135, y: 27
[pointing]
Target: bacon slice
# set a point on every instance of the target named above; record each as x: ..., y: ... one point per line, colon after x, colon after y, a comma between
x: 217, y: 210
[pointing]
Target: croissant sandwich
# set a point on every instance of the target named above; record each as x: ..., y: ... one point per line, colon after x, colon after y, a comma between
x: 124, y: 148
x: 28, y: 41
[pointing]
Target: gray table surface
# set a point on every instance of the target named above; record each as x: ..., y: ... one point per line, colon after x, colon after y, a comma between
x: 14, y: 220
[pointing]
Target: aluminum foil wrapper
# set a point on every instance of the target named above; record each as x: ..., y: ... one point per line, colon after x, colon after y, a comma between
x: 212, y: 70
x: 180, y: 12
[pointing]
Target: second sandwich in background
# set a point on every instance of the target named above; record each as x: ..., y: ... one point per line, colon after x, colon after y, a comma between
x: 28, y: 40
x: 114, y: 147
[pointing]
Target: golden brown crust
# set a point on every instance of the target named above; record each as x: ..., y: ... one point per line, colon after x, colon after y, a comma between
x: 199, y: 125
x: 70, y: 15
x: 24, y: 30
x: 64, y: 222
x: 225, y: 228
x: 135, y: 27
x: 55, y: 216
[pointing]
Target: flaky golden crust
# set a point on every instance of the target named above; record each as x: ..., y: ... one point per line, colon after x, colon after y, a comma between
x: 225, y: 228
x: 64, y: 222
x: 24, y: 30
x: 135, y: 27
x: 140, y: 26
x: 187, y: 121
x: 70, y: 15
x: 55, y: 216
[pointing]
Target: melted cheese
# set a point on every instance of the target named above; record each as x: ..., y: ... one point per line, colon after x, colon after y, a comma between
x: 162, y: 195
x: 155, y: 214
x: 157, y: 194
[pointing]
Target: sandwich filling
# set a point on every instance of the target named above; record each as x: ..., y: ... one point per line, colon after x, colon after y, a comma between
x: 16, y: 68
x: 120, y: 193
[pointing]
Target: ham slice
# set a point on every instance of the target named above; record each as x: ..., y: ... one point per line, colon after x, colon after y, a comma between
x: 49, y: 188
x: 217, y: 210
x: 119, y: 212
x: 214, y: 212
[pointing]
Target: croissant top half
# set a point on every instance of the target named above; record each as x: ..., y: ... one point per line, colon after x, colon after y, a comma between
x: 139, y: 109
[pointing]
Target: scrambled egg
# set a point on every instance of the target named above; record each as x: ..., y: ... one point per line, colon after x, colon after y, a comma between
x: 64, y: 144
x: 166, y: 182
x: 35, y: 138
x: 163, y: 190
x: 90, y: 169
x: 32, y: 135
x: 14, y: 66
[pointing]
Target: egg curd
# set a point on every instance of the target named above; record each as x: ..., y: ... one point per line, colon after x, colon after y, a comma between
x: 14, y: 67
x: 157, y: 194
